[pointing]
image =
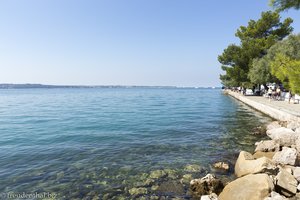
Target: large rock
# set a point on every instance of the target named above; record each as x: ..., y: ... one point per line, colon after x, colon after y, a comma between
x: 286, y: 184
x: 273, y: 125
x: 205, y: 186
x: 287, y: 156
x: 296, y: 173
x: 293, y: 125
x: 246, y: 164
x: 283, y: 136
x: 297, y: 145
x: 266, y: 146
x: 253, y: 186
x: 260, y: 154
x: 275, y: 196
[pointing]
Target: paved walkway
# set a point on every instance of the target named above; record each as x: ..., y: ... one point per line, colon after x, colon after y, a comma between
x: 280, y: 110
x: 280, y: 105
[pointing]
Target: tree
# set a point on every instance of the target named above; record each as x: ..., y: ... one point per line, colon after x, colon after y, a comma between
x: 255, y: 40
x: 284, y: 62
x: 285, y: 4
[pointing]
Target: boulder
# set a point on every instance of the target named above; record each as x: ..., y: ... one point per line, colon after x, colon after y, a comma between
x: 286, y: 184
x: 297, y: 145
x: 296, y: 173
x: 252, y: 186
x: 246, y: 164
x: 287, y: 156
x: 273, y: 125
x: 275, y: 196
x: 205, y: 186
x: 266, y: 146
x: 212, y: 196
x: 292, y: 125
x: 221, y: 165
x: 283, y: 136
x: 260, y: 154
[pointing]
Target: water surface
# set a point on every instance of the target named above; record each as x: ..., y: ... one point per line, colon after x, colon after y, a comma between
x: 89, y: 143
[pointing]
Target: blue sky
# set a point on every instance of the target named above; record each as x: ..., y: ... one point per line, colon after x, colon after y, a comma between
x: 120, y: 42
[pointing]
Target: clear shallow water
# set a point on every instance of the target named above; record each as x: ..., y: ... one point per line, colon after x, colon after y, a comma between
x: 88, y: 143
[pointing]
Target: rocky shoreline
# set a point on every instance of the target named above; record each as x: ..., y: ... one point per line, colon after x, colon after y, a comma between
x: 271, y: 172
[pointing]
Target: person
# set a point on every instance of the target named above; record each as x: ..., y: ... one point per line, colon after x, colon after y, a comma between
x: 278, y: 93
x: 290, y: 96
x: 269, y: 93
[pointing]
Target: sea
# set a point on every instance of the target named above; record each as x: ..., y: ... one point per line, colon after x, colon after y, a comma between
x: 118, y: 143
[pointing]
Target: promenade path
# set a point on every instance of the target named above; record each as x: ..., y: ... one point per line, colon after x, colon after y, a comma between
x: 280, y: 105
x: 280, y: 110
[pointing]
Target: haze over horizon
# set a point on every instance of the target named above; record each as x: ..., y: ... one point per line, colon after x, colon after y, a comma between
x: 155, y: 43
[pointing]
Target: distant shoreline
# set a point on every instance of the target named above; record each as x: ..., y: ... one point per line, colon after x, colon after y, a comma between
x: 37, y: 86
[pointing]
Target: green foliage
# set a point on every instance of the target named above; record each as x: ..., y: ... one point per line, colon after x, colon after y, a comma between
x: 255, y: 40
x: 285, y: 4
x: 284, y: 61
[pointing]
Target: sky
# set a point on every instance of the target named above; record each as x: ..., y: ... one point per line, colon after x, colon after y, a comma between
x: 121, y: 42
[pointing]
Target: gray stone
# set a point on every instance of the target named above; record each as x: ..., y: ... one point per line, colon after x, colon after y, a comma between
x: 286, y: 184
x: 287, y: 156
x: 212, y: 196
x: 266, y: 146
x: 293, y: 125
x: 275, y: 196
x: 296, y: 173
x: 283, y: 136
x: 205, y: 186
x: 246, y: 164
x: 252, y: 186
x: 273, y: 125
x: 260, y: 154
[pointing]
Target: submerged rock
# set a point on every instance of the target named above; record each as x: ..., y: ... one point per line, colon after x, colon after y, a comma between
x: 157, y: 174
x: 193, y: 168
x: 286, y: 184
x: 205, y: 186
x: 259, y: 131
x: 172, y: 187
x: 266, y: 146
x: 186, y: 178
x: 252, y: 186
x: 283, y: 136
x: 221, y: 165
x: 246, y: 164
x: 287, y: 156
x: 137, y: 191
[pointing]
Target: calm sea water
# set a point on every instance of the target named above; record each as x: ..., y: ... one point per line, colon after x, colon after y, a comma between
x: 100, y: 143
